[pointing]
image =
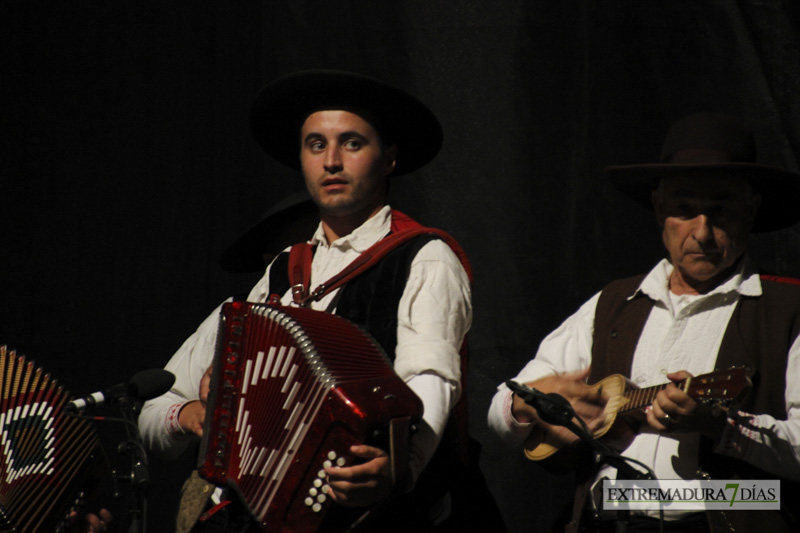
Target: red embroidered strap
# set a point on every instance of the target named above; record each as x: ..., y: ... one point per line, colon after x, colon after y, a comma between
x: 402, y: 222
x: 781, y: 279
x: 403, y: 227
x: 365, y: 260
x: 214, y: 510
x: 300, y: 257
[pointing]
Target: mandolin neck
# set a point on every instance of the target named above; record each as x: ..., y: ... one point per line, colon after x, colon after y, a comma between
x: 639, y: 398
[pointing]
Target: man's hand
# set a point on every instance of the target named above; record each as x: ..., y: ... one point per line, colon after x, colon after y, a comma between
x: 193, y: 414
x: 192, y: 417
x: 674, y: 410
x: 205, y: 385
x: 90, y: 523
x: 588, y: 402
x: 364, y: 484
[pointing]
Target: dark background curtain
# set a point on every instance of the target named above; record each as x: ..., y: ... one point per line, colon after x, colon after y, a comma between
x: 128, y: 166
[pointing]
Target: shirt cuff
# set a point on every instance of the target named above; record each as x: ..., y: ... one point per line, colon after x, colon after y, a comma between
x: 513, y: 424
x: 736, y: 437
x: 171, y: 423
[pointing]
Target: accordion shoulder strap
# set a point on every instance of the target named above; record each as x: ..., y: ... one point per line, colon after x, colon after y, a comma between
x: 300, y: 257
x: 404, y: 228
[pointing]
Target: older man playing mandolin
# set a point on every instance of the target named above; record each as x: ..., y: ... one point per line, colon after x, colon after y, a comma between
x: 704, y: 308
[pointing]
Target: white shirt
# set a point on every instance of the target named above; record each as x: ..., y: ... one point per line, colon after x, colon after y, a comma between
x: 434, y: 314
x: 681, y: 333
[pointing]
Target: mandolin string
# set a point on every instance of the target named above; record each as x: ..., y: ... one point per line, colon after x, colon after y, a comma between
x: 638, y: 398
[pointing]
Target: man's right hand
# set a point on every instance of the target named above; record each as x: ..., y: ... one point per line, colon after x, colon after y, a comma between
x: 192, y: 417
x: 205, y: 385
x: 193, y: 414
x: 588, y: 402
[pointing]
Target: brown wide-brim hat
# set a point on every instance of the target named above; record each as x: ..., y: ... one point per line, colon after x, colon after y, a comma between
x: 293, y: 219
x: 715, y: 144
x: 282, y: 106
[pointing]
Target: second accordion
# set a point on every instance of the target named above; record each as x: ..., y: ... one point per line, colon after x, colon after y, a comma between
x: 292, y: 389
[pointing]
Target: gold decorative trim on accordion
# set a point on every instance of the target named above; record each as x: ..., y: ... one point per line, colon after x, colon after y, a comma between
x: 292, y: 390
x: 46, y: 456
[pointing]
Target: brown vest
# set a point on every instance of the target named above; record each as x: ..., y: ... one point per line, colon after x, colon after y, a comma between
x: 759, y: 335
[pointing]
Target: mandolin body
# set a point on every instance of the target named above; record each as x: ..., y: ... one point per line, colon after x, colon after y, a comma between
x: 543, y: 442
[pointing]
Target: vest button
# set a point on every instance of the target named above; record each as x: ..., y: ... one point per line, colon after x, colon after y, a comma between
x: 614, y: 334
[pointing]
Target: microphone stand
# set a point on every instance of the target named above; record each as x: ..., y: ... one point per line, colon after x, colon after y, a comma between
x: 143, y: 386
x: 556, y: 410
x: 139, y: 475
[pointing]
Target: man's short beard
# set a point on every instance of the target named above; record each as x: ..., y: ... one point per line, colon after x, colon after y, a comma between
x: 338, y: 208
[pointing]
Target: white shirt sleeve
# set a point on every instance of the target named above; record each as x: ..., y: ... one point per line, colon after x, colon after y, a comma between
x: 434, y: 315
x: 567, y: 349
x: 158, y: 419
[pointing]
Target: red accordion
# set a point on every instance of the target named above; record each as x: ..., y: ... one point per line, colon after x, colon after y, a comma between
x: 47, y: 458
x: 292, y: 390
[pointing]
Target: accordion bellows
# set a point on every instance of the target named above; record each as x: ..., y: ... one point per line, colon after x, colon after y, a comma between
x: 292, y: 390
x: 48, y: 458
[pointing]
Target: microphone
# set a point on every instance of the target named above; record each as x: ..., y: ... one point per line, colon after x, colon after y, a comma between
x: 552, y: 407
x: 144, y: 385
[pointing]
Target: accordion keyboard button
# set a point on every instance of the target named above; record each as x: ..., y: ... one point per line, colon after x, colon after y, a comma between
x: 316, y: 507
x: 312, y: 491
x: 331, y: 455
x: 318, y: 483
x: 327, y: 464
x: 309, y: 502
x: 340, y: 461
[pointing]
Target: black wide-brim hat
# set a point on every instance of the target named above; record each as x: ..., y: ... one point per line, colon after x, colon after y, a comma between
x: 282, y: 106
x: 733, y: 148
x: 291, y: 220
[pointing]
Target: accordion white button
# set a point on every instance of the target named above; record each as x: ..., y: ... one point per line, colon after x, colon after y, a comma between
x: 327, y: 464
x: 316, y: 507
x: 312, y: 491
x: 340, y: 461
x: 321, y: 498
x: 321, y: 474
x: 318, y: 483
x: 309, y: 501
x: 331, y: 455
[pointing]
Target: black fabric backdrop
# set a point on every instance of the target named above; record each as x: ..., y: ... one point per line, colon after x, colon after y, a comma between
x: 127, y: 165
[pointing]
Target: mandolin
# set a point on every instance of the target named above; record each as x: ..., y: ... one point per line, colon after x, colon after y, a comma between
x: 720, y: 388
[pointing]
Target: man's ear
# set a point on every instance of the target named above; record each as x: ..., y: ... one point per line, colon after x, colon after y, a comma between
x: 390, y: 159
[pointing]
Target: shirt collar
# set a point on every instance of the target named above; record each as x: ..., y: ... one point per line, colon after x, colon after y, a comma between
x: 745, y: 280
x: 361, y: 238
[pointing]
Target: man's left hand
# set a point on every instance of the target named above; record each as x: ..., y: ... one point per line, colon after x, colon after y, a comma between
x: 364, y: 484
x: 675, y: 411
x: 90, y: 523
